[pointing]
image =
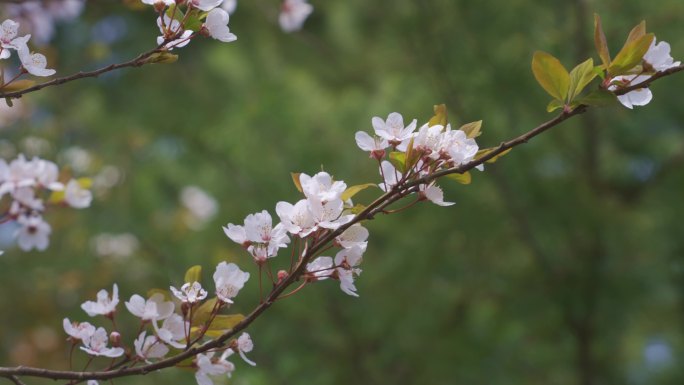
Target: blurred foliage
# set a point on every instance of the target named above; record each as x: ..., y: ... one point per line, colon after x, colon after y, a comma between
x: 563, y: 263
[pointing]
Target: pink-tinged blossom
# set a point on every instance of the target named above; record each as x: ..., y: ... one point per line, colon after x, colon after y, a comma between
x: 173, y: 330
x: 96, y: 345
x: 33, y: 234
x: 33, y: 63
x: 78, y: 330
x: 434, y: 194
x: 297, y: 218
x: 236, y: 234
x: 244, y: 345
x: 458, y: 146
x: 229, y: 279
x: 329, y: 214
x: 208, y: 365
x: 190, y: 292
x: 293, y: 13
x: 147, y: 347
x: 393, y: 130
x: 172, y: 29
x: 152, y: 309
x: 389, y: 173
x: 321, y: 187
x: 105, y: 305
x: 216, y: 25
x: 205, y: 5
x: 320, y: 268
x: 355, y: 236
x: 76, y: 196
x: 229, y: 6
x: 428, y: 140
x: 638, y: 97
x: 375, y: 145
x: 658, y: 56
x: 347, y: 261
x: 8, y: 31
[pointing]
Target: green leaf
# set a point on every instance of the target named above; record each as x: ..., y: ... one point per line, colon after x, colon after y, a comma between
x: 486, y: 151
x: 226, y: 322
x: 580, y: 76
x: 554, y: 105
x: 464, y: 178
x: 295, y: 180
x: 630, y: 55
x: 637, y: 32
x: 600, y: 42
x: 194, y: 274
x: 161, y: 58
x: 472, y: 129
x: 18, y: 85
x: 9, y: 102
x: 353, y: 190
x: 551, y: 74
x: 398, y: 160
x: 194, y: 20
x: 598, y: 98
x: 357, y: 209
x: 202, y: 314
x: 440, y: 117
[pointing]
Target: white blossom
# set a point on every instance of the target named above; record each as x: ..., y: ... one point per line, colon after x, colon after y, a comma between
x: 208, y: 365
x: 297, y: 218
x: 104, y: 305
x: 293, y: 13
x: 245, y: 345
x: 393, y: 129
x: 152, y: 309
x: 374, y: 145
x: 354, y: 236
x: 347, y: 261
x: 172, y: 28
x: 658, y: 56
x: 96, y: 345
x: 33, y: 233
x: 328, y: 214
x: 229, y: 279
x: 205, y: 5
x: 78, y: 330
x: 434, y: 194
x: 217, y: 25
x: 147, y: 347
x: 321, y: 187
x: 33, y: 63
x: 638, y: 97
x: 458, y: 146
x: 76, y: 196
x: 320, y: 268
x: 389, y: 174
x: 190, y: 292
x: 8, y: 31
x: 174, y: 329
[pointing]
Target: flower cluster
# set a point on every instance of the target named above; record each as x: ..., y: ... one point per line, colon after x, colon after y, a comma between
x: 24, y: 181
x: 179, y: 26
x: 32, y: 63
x: 166, y: 324
x: 656, y: 59
x: 417, y: 154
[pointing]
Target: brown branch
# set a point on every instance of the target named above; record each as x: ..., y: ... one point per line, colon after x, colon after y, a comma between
x: 397, y: 192
x: 136, y: 62
x: 650, y: 80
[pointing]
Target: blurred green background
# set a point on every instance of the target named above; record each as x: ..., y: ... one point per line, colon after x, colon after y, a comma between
x: 563, y: 263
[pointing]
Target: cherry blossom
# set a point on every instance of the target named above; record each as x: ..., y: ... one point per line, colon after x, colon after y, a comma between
x: 205, y: 5
x: 105, y: 304
x: 208, y: 365
x: 348, y: 260
x: 76, y: 196
x: 328, y: 214
x: 216, y: 25
x: 8, y: 31
x: 458, y: 146
x: 33, y: 233
x: 434, y: 194
x: 389, y: 174
x: 297, y: 218
x: 638, y: 97
x: 171, y: 29
x: 190, y: 292
x: 229, y: 6
x: 355, y: 236
x: 658, y: 56
x: 33, y: 63
x: 229, y: 279
x: 320, y: 268
x: 78, y: 331
x: 96, y: 345
x: 244, y: 345
x: 293, y: 13
x: 393, y: 130
x: 174, y: 329
x: 375, y: 145
x: 259, y: 235
x: 321, y: 186
x: 152, y: 309
x: 147, y: 347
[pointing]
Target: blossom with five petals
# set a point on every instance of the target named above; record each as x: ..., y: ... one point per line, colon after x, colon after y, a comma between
x: 229, y: 279
x: 105, y: 304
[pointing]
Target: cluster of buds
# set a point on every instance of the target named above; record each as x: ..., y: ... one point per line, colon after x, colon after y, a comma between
x: 168, y: 325
x: 25, y: 181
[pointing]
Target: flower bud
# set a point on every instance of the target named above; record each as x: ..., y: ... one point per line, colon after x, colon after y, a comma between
x: 115, y: 339
x: 282, y: 274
